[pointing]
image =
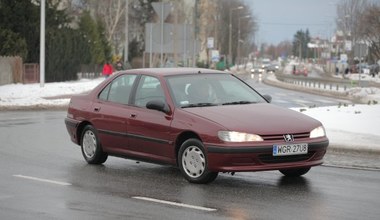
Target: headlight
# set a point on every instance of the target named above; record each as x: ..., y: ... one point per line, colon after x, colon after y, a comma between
x: 318, y: 132
x: 233, y: 136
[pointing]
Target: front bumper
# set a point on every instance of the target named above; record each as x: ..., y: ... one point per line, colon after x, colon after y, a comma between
x: 259, y: 158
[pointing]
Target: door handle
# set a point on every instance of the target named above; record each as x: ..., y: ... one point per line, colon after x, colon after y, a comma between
x: 133, y: 115
x: 97, y: 109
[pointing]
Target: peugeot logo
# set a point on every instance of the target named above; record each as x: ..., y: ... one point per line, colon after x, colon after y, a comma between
x: 288, y: 137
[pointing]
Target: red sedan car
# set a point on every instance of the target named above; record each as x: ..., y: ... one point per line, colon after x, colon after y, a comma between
x: 203, y: 121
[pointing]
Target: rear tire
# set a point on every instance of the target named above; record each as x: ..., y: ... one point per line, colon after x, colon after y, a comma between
x: 91, y: 148
x: 192, y: 162
x: 295, y: 172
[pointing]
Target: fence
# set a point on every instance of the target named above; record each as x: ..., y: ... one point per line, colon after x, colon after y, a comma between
x: 10, y: 70
x: 31, y: 73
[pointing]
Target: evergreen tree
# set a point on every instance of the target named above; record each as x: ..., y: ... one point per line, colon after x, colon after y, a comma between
x: 12, y: 44
x: 23, y: 18
x: 301, y: 39
x: 91, y: 31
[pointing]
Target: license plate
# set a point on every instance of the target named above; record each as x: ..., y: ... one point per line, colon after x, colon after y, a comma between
x: 289, y: 149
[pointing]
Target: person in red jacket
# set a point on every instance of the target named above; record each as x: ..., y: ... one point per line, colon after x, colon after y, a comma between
x: 107, y: 69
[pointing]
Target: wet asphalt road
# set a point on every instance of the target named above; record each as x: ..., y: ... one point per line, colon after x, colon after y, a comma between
x: 43, y: 176
x: 289, y: 98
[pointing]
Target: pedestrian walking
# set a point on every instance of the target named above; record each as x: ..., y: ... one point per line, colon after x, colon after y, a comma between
x: 107, y: 69
x: 119, y: 65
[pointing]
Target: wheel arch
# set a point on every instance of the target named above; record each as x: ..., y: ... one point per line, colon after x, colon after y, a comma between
x: 80, y: 128
x: 182, y: 138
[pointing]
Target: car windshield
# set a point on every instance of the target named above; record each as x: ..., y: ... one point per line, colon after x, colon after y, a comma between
x: 201, y: 90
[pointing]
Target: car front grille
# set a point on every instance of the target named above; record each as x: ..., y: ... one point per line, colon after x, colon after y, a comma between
x: 268, y: 158
x: 280, y: 137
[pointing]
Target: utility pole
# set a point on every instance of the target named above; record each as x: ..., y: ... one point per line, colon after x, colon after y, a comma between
x: 196, y: 31
x: 126, y: 44
x: 42, y: 44
x: 230, y: 35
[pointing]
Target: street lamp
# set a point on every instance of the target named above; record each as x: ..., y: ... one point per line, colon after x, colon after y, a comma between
x: 230, y: 36
x: 238, y: 42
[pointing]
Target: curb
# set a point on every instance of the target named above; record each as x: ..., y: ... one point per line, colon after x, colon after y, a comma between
x: 352, y: 149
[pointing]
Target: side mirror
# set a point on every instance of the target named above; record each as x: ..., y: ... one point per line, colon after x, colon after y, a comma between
x: 268, y: 98
x: 158, y: 105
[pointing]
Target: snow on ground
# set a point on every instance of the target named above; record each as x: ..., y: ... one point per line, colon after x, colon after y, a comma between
x: 349, y: 126
x: 33, y: 94
x: 357, y: 77
x: 352, y: 126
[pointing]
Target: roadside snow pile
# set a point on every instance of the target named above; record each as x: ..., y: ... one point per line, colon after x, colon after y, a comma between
x: 351, y: 126
x: 370, y: 94
x: 34, y: 95
x: 363, y: 76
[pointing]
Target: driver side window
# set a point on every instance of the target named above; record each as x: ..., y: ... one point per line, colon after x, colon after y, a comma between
x: 149, y: 89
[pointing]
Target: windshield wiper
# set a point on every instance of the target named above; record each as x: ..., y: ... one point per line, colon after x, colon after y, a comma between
x: 238, y: 103
x: 202, y: 104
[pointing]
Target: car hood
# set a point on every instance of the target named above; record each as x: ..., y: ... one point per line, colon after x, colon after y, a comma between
x: 261, y: 118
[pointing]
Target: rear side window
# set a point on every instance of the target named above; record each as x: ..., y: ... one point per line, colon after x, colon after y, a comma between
x: 119, y: 89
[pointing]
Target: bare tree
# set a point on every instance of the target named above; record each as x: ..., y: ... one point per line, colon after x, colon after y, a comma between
x: 112, y: 11
x: 369, y: 29
x: 348, y: 17
x: 248, y: 26
x: 112, y: 14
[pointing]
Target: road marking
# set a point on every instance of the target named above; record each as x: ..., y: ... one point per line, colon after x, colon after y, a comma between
x: 43, y: 180
x: 175, y: 204
x: 351, y: 167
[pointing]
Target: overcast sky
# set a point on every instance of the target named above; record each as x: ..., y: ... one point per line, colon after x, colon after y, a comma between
x: 279, y: 20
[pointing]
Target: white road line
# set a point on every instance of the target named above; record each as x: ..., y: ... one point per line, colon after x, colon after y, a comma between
x: 43, y: 180
x: 175, y: 204
x: 351, y: 167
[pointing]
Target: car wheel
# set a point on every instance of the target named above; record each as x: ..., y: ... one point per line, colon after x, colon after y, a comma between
x: 295, y: 172
x: 91, y: 147
x: 192, y: 162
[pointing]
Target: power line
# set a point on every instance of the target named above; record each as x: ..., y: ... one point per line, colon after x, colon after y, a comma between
x: 292, y: 24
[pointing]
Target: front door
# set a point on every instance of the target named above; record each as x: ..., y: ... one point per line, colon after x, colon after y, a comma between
x: 149, y: 130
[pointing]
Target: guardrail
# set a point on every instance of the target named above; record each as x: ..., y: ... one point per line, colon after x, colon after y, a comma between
x: 323, y: 83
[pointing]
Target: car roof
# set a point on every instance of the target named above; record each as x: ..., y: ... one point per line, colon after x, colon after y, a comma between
x: 172, y: 71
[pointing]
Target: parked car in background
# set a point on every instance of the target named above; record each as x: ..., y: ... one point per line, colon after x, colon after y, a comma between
x: 362, y: 68
x: 374, y: 69
x: 300, y: 70
x: 200, y: 120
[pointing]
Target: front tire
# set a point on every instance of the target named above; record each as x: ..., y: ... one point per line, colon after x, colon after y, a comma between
x: 192, y: 162
x: 295, y: 172
x: 91, y: 148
